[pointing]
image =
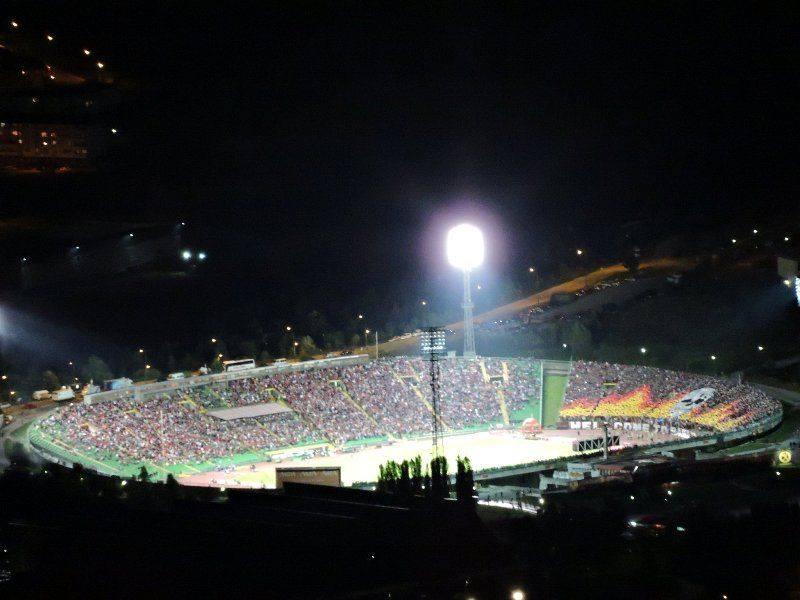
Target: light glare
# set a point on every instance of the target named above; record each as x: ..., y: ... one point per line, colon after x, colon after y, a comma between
x: 465, y: 247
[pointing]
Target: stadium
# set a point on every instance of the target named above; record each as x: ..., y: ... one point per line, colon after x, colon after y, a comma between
x: 235, y: 428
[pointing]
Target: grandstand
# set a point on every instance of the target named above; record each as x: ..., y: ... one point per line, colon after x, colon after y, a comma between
x: 340, y: 412
x: 632, y: 392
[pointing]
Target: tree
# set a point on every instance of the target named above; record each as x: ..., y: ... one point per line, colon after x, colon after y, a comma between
x: 404, y: 483
x: 579, y: 338
x: 96, y: 369
x: 316, y: 323
x: 147, y: 374
x: 334, y: 339
x: 50, y: 380
x: 464, y: 480
x: 307, y: 345
x: 440, y: 482
x: 416, y: 475
x: 631, y: 262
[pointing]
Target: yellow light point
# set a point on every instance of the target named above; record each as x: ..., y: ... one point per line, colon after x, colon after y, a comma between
x: 86, y: 51
x: 50, y: 38
x: 100, y: 65
x: 14, y: 24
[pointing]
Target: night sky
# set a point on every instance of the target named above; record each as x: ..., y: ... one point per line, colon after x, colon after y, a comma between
x: 323, y: 149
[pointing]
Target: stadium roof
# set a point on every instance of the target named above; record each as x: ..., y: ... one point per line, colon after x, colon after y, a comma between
x: 249, y: 411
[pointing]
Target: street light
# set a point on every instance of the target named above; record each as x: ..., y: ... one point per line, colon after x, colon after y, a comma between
x: 713, y: 357
x: 141, y: 350
x: 186, y: 255
x: 288, y: 328
x: 760, y: 348
x: 643, y: 350
x: 213, y: 340
x: 465, y: 251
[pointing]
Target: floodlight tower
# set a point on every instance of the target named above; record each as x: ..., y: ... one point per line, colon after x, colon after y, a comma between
x: 465, y: 252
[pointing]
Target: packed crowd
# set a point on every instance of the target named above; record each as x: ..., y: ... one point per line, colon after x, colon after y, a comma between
x: 639, y: 392
x: 471, y: 391
x: 390, y: 397
x: 168, y: 430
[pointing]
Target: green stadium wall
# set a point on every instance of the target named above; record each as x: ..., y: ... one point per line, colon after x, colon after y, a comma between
x: 553, y: 388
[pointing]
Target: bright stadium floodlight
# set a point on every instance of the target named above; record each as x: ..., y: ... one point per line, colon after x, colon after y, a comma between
x: 465, y: 251
x: 465, y: 247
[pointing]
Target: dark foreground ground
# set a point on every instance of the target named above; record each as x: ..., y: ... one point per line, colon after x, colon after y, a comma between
x: 702, y: 531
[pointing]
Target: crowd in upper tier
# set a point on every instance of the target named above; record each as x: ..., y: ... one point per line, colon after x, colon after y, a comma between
x: 388, y: 398
x: 596, y: 390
